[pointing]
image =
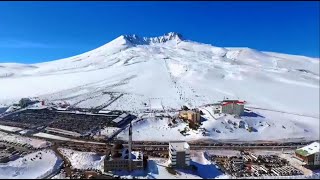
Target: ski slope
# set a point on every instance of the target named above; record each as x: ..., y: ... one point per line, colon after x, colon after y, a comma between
x: 138, y: 73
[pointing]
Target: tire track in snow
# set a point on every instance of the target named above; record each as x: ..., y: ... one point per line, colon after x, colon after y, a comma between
x: 174, y: 81
x: 179, y: 87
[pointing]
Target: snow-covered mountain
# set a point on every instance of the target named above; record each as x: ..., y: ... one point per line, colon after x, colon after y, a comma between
x: 134, y: 73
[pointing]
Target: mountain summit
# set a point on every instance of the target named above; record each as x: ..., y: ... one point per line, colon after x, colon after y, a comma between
x: 137, y: 40
x: 167, y: 72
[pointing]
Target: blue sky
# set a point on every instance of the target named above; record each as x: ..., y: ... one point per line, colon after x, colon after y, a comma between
x: 32, y: 32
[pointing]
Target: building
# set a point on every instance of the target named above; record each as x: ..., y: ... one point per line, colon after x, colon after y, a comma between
x: 24, y: 102
x: 123, y: 119
x: 309, y: 154
x: 121, y: 158
x: 237, y: 164
x: 191, y: 116
x: 118, y: 159
x: 179, y: 154
x: 234, y: 107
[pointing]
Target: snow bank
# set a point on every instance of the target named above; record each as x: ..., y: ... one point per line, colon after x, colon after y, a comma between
x: 36, y: 143
x: 51, y: 136
x: 83, y: 160
x: 206, y: 169
x: 36, y: 165
x: 10, y: 128
x: 60, y: 176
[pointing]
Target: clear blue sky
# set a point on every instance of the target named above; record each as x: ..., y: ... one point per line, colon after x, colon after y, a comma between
x: 33, y: 32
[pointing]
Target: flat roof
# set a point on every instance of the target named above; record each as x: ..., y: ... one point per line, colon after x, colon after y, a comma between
x: 309, y: 149
x: 179, y: 145
x: 134, y: 155
x: 120, y: 118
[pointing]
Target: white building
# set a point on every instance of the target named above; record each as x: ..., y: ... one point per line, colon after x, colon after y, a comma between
x: 234, y: 107
x: 179, y: 153
x: 310, y: 154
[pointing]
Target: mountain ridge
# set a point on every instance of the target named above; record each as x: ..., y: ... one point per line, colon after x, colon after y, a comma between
x: 162, y: 71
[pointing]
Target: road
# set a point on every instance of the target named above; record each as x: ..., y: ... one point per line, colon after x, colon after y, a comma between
x: 199, y: 147
x: 209, y: 113
x: 66, y: 164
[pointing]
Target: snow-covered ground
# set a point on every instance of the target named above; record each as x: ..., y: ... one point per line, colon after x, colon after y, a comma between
x: 224, y: 152
x: 36, y: 143
x: 60, y: 176
x: 108, y: 131
x: 51, y: 136
x: 40, y: 164
x: 133, y: 73
x: 265, y: 124
x: 10, y: 128
x: 206, y: 170
x: 64, y: 132
x: 83, y: 160
x: 157, y: 170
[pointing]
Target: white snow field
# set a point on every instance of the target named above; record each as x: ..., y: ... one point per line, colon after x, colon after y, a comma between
x: 22, y: 140
x: 37, y: 165
x: 83, y: 160
x: 51, y: 136
x: 166, y: 72
x: 268, y: 125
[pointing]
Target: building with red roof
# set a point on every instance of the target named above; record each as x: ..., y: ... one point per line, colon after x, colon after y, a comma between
x: 234, y: 107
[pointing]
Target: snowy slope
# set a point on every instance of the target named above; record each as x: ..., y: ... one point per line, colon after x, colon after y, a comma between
x: 167, y: 72
x: 83, y: 160
x: 267, y: 125
x: 36, y: 165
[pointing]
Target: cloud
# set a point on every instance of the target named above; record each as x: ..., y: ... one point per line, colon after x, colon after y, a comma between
x: 12, y: 43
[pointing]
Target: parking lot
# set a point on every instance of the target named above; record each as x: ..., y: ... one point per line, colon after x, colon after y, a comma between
x: 78, y: 122
x: 12, y: 151
x: 248, y: 164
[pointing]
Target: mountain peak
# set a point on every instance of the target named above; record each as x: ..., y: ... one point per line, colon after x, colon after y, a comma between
x: 137, y: 40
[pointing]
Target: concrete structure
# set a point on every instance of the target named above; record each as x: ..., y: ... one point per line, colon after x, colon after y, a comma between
x: 309, y: 154
x: 24, y: 102
x: 122, y: 119
x: 121, y: 158
x: 190, y: 115
x: 179, y: 154
x: 118, y: 159
x: 130, y: 146
x: 234, y: 107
